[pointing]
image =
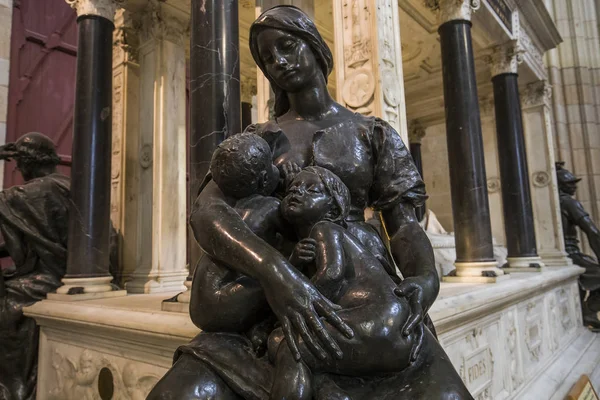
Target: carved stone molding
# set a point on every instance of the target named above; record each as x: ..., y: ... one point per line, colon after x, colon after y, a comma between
x: 541, y: 179
x: 528, y: 46
x: 102, y: 8
x: 536, y: 93
x: 493, y: 185
x: 125, y: 38
x: 159, y: 22
x: 505, y: 59
x: 452, y: 10
x: 416, y: 132
x: 368, y: 78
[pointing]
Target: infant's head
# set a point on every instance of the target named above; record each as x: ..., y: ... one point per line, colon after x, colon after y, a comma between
x: 316, y: 194
x: 242, y: 165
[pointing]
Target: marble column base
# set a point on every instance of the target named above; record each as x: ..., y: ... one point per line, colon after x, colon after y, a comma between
x: 182, y: 301
x: 525, y: 264
x: 76, y: 289
x: 555, y: 258
x: 476, y: 272
x: 161, y: 282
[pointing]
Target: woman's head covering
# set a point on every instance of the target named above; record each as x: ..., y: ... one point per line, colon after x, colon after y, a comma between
x: 294, y: 21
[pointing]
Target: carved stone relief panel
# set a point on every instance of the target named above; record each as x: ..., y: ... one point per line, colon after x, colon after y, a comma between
x: 369, y: 59
x: 534, y: 339
x: 479, y: 357
x: 512, y: 334
x: 78, y: 373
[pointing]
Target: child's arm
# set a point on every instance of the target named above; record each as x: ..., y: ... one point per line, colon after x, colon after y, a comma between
x: 329, y: 260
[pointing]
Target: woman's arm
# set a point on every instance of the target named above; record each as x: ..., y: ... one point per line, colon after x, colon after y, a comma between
x: 225, y: 237
x: 413, y: 254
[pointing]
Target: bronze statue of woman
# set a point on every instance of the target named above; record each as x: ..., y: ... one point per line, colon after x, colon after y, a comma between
x: 243, y: 284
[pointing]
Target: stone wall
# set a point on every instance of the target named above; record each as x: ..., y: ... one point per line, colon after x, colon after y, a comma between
x: 5, y: 34
x: 574, y: 70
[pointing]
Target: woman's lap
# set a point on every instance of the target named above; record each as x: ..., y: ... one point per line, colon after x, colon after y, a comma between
x: 191, y: 379
x: 233, y: 372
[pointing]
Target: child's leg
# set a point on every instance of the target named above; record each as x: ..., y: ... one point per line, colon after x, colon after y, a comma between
x: 293, y: 380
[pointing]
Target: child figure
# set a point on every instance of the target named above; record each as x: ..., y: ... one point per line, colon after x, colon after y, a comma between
x: 243, y: 169
x: 316, y: 204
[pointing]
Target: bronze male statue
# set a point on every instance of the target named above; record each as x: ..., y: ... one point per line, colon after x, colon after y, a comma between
x: 33, y: 221
x: 574, y: 216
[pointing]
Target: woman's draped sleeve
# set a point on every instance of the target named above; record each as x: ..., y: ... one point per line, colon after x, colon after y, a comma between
x: 395, y: 176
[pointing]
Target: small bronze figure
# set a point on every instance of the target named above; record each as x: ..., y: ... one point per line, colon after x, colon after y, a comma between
x: 574, y: 216
x: 248, y: 282
x: 33, y: 221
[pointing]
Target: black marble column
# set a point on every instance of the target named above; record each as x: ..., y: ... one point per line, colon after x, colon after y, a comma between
x: 516, y: 194
x: 415, y: 151
x: 470, y: 207
x: 215, y: 110
x: 89, y: 219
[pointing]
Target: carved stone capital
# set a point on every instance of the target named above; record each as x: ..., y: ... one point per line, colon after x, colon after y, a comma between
x: 505, y: 59
x: 161, y: 22
x: 248, y: 88
x: 125, y: 38
x: 453, y: 10
x: 102, y: 8
x: 536, y: 93
x: 416, y: 132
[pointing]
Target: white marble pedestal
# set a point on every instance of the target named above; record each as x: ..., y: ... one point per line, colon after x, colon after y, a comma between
x: 517, y: 339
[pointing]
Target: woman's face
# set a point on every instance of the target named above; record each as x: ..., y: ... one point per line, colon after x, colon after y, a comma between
x: 306, y: 200
x: 289, y: 60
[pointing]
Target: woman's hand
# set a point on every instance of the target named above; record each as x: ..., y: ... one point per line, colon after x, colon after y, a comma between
x: 414, y: 289
x: 298, y: 306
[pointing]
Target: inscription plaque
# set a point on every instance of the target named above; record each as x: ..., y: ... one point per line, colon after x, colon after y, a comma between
x: 503, y: 12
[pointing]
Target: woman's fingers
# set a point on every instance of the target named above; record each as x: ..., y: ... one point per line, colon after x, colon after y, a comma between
x: 309, y: 340
x: 324, y: 336
x: 290, y: 338
x: 416, y: 314
x: 328, y: 310
x: 419, y: 339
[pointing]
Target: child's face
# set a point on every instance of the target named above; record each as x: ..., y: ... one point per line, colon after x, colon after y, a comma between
x: 306, y: 199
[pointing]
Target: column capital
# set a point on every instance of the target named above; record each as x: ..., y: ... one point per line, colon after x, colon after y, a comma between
x: 125, y: 38
x: 163, y: 22
x: 416, y: 132
x: 453, y: 10
x: 536, y: 94
x: 505, y: 58
x: 248, y: 88
x: 101, y: 8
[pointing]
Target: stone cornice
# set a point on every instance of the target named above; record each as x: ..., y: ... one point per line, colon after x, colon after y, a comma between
x: 101, y: 8
x: 537, y: 16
